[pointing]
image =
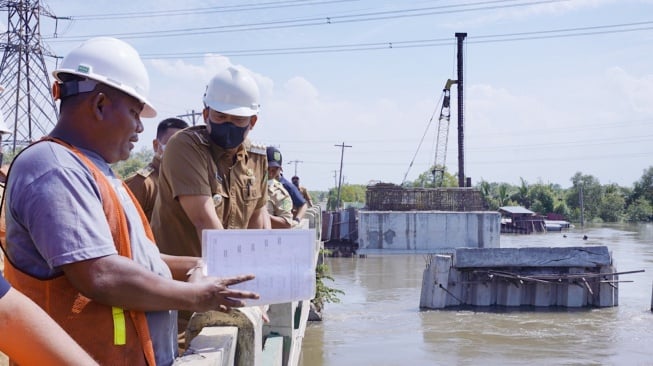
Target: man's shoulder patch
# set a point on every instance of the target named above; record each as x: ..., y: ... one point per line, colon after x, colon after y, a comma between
x: 257, y: 149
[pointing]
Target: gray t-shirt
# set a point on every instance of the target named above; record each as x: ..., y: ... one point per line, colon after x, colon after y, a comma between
x: 54, y: 217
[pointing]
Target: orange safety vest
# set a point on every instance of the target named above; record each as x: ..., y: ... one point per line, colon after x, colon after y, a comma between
x: 100, y: 329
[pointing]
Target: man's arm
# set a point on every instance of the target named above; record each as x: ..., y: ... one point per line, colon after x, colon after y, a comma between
x: 278, y: 222
x: 307, y: 196
x: 260, y: 219
x: 299, y: 214
x: 201, y: 212
x: 181, y: 265
x: 30, y: 337
x: 118, y: 281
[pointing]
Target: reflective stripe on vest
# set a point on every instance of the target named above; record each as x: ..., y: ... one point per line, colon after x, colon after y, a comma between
x: 119, y: 327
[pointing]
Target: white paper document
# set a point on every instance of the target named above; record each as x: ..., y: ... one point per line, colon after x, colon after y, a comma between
x: 283, y: 261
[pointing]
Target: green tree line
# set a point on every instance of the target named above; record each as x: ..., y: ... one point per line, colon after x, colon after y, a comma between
x: 600, y: 202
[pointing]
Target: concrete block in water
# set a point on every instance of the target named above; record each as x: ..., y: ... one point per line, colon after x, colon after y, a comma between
x: 590, y: 256
x: 481, y: 294
x: 545, y: 294
x: 568, y: 277
x: 435, y: 296
x: 456, y: 289
x: 509, y: 294
x: 426, y: 231
x: 574, y: 293
x: 609, y: 290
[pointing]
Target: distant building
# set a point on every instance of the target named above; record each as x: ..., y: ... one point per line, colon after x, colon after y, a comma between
x: 520, y: 220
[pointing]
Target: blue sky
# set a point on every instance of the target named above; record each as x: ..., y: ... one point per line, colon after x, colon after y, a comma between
x: 575, y: 93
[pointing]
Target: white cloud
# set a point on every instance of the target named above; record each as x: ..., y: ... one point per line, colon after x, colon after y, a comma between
x: 634, y: 95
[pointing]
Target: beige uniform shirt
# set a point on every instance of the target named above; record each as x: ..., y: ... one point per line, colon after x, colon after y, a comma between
x: 307, y: 196
x: 279, y: 202
x: 144, y: 186
x: 193, y: 165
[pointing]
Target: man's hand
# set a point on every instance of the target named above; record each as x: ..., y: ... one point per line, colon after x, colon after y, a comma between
x: 215, y: 294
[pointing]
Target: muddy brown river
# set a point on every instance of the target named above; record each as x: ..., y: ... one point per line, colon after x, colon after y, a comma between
x: 378, y: 321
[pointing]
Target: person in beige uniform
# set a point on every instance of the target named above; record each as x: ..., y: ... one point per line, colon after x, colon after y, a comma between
x: 212, y: 176
x: 279, y: 202
x: 144, y: 183
x: 303, y: 191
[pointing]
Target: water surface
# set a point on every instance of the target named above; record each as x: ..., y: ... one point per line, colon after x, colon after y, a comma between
x: 378, y: 321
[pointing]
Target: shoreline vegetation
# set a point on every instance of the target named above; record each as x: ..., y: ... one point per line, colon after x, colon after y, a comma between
x: 597, y: 202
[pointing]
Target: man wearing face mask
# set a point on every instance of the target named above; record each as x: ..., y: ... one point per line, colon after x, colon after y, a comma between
x: 145, y: 182
x: 212, y: 176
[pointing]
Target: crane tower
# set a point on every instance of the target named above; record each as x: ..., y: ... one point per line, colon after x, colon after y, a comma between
x: 442, y: 136
x: 26, y: 103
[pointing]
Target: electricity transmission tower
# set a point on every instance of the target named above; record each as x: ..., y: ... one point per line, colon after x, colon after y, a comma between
x: 26, y: 103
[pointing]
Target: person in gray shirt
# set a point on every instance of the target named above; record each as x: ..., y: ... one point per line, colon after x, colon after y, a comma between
x: 78, y: 243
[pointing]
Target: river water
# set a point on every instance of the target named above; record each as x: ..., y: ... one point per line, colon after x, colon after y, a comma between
x: 379, y: 322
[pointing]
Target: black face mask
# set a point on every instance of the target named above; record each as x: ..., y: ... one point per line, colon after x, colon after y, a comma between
x: 227, y: 135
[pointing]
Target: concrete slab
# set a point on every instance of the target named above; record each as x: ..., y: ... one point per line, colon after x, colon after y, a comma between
x: 589, y: 256
x: 426, y: 231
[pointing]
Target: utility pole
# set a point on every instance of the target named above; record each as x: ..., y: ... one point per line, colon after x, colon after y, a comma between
x: 582, y: 206
x: 192, y: 115
x: 27, y: 102
x: 342, y: 154
x: 335, y: 178
x: 296, y: 162
x: 461, y: 134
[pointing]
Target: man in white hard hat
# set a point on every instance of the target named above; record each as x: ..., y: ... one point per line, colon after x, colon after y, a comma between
x: 212, y: 176
x: 79, y: 245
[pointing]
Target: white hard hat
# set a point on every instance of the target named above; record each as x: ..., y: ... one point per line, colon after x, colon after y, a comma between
x: 112, y: 62
x: 233, y: 91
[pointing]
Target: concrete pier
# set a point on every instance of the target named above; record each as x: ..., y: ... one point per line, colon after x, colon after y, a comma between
x: 568, y: 277
x: 426, y: 231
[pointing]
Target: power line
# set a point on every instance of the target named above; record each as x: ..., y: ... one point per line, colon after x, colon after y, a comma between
x: 511, y: 160
x: 205, y: 10
x: 435, y: 42
x: 316, y: 21
x: 513, y: 133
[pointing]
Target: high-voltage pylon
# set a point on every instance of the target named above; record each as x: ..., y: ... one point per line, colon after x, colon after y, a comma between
x: 26, y: 103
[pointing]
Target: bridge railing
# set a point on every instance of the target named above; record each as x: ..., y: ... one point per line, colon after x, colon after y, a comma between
x: 241, y: 337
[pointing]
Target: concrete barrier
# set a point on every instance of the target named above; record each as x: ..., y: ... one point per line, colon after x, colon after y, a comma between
x: 567, y: 277
x: 426, y: 231
x: 213, y: 346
